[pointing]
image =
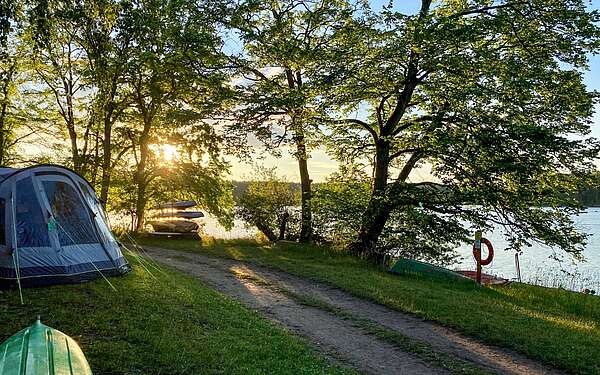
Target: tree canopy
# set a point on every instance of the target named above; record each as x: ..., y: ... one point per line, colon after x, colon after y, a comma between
x: 490, y: 95
x: 152, y: 100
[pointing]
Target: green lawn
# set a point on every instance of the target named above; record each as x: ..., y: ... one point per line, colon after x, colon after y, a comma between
x: 170, y: 324
x: 559, y: 327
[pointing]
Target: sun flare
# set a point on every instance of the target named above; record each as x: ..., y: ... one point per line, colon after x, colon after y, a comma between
x: 169, y: 152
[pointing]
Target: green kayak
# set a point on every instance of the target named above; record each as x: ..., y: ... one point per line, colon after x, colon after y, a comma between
x: 38, y: 350
x: 414, y: 267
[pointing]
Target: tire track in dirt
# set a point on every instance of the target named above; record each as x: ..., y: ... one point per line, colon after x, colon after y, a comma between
x: 336, y: 336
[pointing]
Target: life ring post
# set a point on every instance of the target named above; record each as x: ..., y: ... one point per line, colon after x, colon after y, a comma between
x: 477, y: 253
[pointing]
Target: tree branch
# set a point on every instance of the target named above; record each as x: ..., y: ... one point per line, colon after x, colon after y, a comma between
x: 485, y: 9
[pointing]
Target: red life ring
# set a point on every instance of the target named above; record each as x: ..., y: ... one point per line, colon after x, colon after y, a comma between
x: 477, y: 255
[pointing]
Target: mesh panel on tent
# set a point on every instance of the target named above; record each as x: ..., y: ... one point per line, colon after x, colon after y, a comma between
x: 32, y: 230
x: 72, y: 218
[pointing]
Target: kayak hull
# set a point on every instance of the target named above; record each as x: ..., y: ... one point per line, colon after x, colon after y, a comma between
x: 182, y: 214
x: 180, y: 205
x: 38, y: 350
x: 415, y: 267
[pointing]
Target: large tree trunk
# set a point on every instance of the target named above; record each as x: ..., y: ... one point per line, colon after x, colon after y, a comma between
x: 294, y: 80
x: 70, y: 117
x: 141, y: 178
x: 96, y: 165
x: 106, y: 161
x: 140, y: 206
x: 3, y: 114
x: 3, y: 132
x: 283, y: 225
x: 378, y: 210
x: 305, y: 182
x: 266, y: 230
x: 74, y: 150
x: 110, y: 117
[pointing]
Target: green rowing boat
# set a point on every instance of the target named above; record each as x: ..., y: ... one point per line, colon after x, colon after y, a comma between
x: 414, y: 267
x: 38, y: 350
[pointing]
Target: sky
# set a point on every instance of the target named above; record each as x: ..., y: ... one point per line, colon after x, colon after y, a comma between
x: 321, y: 165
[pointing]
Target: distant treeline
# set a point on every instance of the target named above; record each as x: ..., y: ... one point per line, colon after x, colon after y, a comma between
x: 588, y: 198
x: 239, y: 187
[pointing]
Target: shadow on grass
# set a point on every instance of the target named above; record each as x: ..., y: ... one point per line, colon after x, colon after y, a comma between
x: 559, y: 327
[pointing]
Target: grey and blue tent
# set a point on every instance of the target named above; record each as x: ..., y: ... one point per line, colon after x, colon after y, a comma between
x: 53, y: 229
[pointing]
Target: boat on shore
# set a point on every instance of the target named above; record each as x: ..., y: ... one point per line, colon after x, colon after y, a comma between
x: 42, y: 350
x: 179, y: 205
x: 415, y: 267
x: 182, y: 214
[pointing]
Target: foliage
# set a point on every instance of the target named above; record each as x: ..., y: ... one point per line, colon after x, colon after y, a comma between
x: 9, y: 13
x: 15, y: 124
x: 268, y: 203
x: 417, y: 233
x: 490, y: 96
x: 277, y: 95
x: 487, y: 95
x: 58, y: 62
x: 176, y: 81
x: 9, y: 72
x: 206, y: 185
x: 338, y: 203
x: 119, y: 79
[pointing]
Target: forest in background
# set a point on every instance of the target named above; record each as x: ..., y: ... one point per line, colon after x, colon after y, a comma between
x: 151, y: 100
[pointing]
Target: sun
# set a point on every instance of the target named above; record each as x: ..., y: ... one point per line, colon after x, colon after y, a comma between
x: 169, y: 152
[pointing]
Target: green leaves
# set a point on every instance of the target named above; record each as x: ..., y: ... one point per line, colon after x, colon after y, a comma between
x: 489, y: 94
x: 267, y: 204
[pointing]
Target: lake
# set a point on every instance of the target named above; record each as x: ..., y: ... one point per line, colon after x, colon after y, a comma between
x: 537, y: 263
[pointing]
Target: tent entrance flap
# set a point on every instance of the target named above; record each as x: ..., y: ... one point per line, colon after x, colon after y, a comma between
x: 69, y: 212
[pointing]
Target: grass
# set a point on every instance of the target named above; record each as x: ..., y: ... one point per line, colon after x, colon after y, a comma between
x: 559, y: 327
x: 404, y: 343
x: 169, y: 324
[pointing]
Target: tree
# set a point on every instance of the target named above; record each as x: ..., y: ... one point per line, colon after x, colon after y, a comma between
x: 281, y: 40
x: 176, y: 65
x: 338, y: 203
x: 107, y: 50
x: 489, y: 95
x: 9, y: 72
x: 267, y: 203
x: 59, y: 61
x: 9, y: 12
x: 16, y: 122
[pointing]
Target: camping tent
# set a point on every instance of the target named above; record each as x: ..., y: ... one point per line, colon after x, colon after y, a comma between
x: 53, y: 229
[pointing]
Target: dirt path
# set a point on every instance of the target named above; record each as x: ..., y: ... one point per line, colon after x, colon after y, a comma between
x: 275, y: 294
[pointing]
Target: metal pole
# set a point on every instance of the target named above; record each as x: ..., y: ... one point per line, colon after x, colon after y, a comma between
x: 478, y: 236
x: 518, y: 266
x: 479, y: 267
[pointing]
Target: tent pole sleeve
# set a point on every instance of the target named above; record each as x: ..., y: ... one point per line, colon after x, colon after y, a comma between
x: 15, y: 253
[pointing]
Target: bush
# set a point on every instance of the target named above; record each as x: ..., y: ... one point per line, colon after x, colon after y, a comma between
x: 269, y: 204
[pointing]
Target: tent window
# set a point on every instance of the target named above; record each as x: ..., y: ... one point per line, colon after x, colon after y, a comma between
x: 32, y: 230
x: 2, y: 221
x: 72, y: 218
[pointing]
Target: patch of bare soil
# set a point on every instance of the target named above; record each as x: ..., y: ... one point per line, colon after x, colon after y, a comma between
x: 268, y: 291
